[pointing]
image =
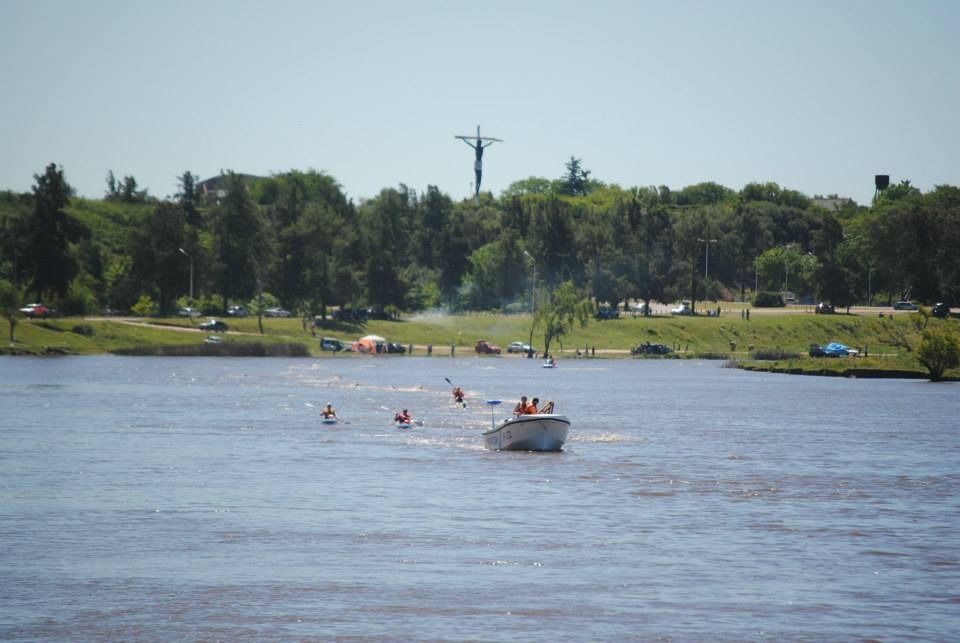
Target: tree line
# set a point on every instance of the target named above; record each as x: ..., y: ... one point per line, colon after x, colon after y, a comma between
x: 294, y: 239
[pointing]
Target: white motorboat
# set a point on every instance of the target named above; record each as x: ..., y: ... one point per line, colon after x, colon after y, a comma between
x: 528, y: 433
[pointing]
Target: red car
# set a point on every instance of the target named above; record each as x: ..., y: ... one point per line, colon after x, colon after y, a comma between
x: 36, y: 310
x: 483, y: 346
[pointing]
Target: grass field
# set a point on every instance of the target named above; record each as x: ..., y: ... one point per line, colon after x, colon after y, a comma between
x: 729, y: 335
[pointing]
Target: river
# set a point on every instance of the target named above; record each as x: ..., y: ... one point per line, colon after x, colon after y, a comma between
x: 200, y: 499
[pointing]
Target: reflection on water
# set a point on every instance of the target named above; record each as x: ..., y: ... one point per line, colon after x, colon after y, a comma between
x: 201, y: 498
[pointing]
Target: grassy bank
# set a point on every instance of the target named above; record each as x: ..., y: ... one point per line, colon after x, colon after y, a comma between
x: 726, y: 336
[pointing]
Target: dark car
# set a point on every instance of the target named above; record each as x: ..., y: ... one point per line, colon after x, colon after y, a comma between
x: 824, y: 309
x: 331, y: 344
x: 941, y: 310
x: 214, y: 324
x: 817, y: 351
x: 904, y: 305
x: 608, y: 313
x: 650, y: 349
x: 394, y: 347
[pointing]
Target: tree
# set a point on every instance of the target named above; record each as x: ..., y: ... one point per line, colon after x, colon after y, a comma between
x: 939, y: 350
x: 558, y: 314
x: 239, y: 241
x: 496, y: 274
x: 576, y: 182
x: 188, y: 197
x: 9, y: 305
x: 530, y: 185
x: 47, y: 254
x: 155, y: 250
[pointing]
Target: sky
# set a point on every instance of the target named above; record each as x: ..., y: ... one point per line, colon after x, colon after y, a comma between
x: 817, y: 96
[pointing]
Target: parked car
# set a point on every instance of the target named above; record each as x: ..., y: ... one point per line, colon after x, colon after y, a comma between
x: 237, y: 311
x: 817, y: 351
x: 833, y: 349
x: 650, y: 349
x: 824, y: 309
x: 485, y: 347
x: 37, y: 310
x: 332, y: 344
x: 608, y: 313
x: 395, y: 347
x: 683, y: 309
x: 276, y: 312
x: 215, y: 325
x: 904, y: 305
x: 642, y: 309
x: 941, y: 310
x: 188, y: 312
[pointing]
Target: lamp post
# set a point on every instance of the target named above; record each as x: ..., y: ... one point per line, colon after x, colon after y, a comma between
x: 706, y: 265
x: 533, y: 286
x: 533, y: 302
x: 187, y: 255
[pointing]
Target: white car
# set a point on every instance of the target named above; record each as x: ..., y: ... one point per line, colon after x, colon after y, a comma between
x: 683, y: 309
x: 188, y: 312
x: 519, y: 347
x: 276, y: 312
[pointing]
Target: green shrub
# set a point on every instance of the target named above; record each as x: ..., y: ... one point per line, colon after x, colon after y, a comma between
x: 939, y: 350
x: 83, y: 329
x: 145, y: 307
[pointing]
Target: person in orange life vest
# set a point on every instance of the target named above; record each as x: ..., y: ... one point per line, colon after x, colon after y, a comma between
x: 531, y: 408
x: 521, y: 406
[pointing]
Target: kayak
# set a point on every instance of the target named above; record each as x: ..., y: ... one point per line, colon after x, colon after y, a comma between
x: 329, y: 420
x: 404, y: 425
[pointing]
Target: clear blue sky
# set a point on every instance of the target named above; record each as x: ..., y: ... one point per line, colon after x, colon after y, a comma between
x: 817, y: 96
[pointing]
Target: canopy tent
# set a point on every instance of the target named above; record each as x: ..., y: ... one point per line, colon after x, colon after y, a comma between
x: 370, y: 344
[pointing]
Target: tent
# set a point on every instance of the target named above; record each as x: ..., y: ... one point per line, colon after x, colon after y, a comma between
x: 370, y: 344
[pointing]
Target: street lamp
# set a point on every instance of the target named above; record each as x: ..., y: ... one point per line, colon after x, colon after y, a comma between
x: 187, y: 255
x: 533, y: 287
x: 706, y: 268
x: 533, y: 302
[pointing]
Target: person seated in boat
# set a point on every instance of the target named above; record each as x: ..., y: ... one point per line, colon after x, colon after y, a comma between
x: 550, y: 360
x: 531, y: 408
x: 403, y: 417
x: 330, y: 413
x: 458, y: 395
x: 521, y: 406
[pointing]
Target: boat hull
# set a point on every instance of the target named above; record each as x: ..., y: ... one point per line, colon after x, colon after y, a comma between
x: 329, y: 420
x: 529, y: 433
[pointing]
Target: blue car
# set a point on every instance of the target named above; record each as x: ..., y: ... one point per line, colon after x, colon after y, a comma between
x: 836, y: 349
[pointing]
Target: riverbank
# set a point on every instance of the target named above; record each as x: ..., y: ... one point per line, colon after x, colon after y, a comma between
x: 782, y: 339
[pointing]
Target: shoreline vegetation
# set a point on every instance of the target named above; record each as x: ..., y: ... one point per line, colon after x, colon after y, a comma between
x: 766, y: 343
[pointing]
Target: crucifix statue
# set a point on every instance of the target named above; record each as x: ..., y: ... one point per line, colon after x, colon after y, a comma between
x: 478, y: 143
